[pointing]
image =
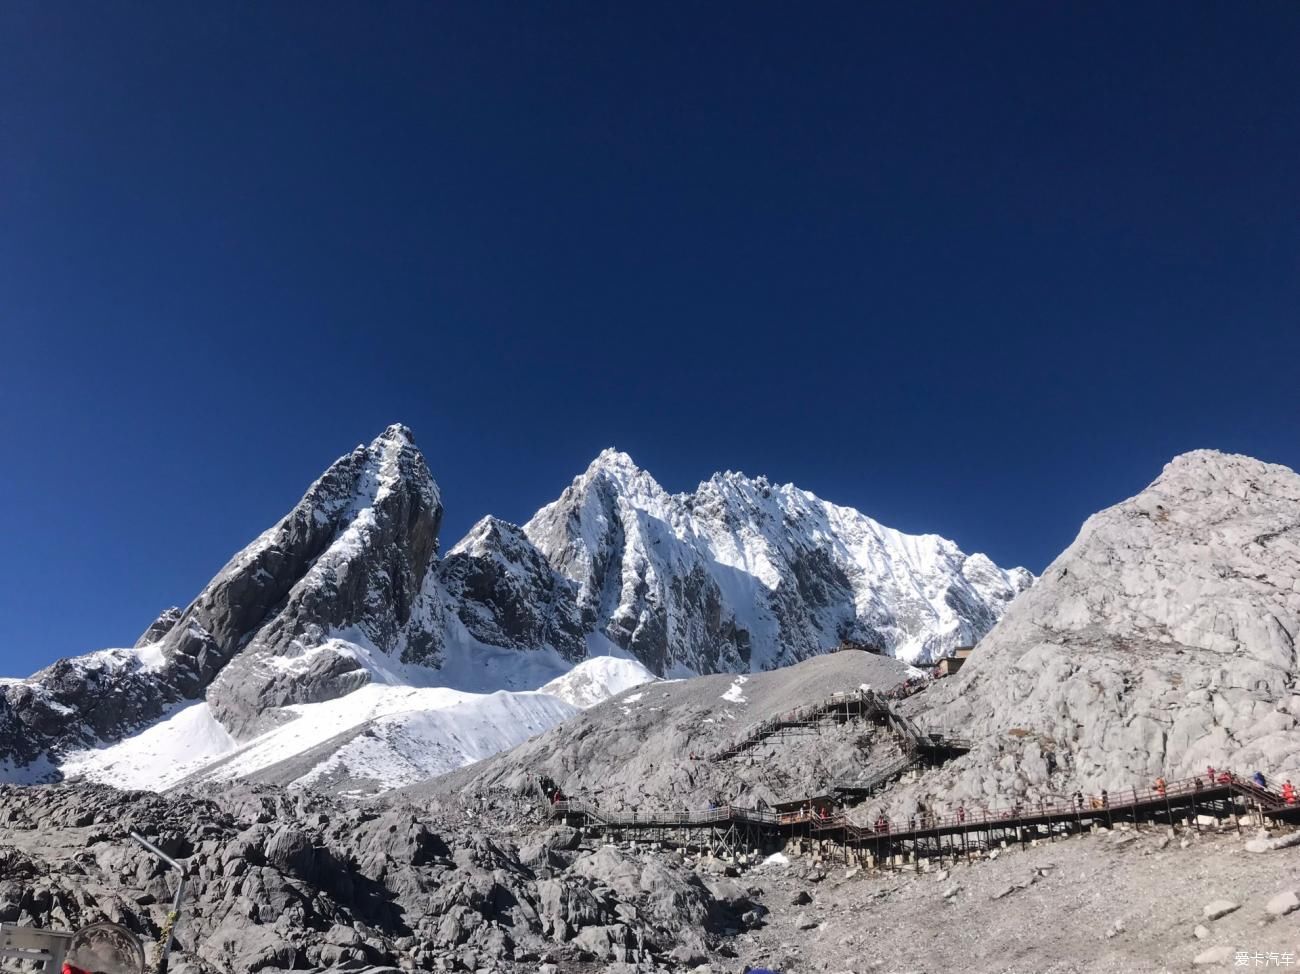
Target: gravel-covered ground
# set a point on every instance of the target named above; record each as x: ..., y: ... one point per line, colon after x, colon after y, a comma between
x: 1105, y: 902
x: 648, y: 748
x: 467, y: 874
x: 301, y: 883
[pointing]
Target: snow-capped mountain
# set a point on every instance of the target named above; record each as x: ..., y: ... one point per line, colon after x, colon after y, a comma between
x: 348, y: 592
x: 744, y: 574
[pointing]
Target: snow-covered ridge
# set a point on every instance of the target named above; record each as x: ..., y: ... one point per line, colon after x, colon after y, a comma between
x: 743, y: 574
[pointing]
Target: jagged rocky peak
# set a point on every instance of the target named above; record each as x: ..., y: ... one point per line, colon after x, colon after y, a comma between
x: 1162, y: 640
x: 352, y: 556
x: 349, y: 587
x: 507, y: 594
x: 745, y: 574
x: 616, y: 463
x: 160, y: 627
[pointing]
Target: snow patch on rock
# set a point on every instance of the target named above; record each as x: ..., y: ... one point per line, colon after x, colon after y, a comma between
x: 595, y: 680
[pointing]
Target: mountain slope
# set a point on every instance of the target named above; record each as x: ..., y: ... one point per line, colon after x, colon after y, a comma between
x: 1161, y: 641
x: 348, y: 591
x: 746, y: 575
x: 649, y: 747
x: 373, y: 739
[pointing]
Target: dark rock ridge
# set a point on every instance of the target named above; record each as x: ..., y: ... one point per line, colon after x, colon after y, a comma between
x: 354, y: 554
x: 505, y: 592
x: 160, y: 627
x: 740, y: 575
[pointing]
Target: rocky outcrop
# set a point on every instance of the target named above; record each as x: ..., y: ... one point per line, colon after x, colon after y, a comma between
x: 76, y: 702
x: 160, y: 627
x: 278, y: 883
x: 1161, y: 641
x: 506, y: 593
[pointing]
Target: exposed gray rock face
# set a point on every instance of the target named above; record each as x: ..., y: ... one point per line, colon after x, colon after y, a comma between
x: 353, y: 555
x: 1161, y: 641
x: 744, y: 574
x: 160, y: 627
x: 507, y: 594
x: 77, y: 701
x: 279, y: 883
x: 353, y: 552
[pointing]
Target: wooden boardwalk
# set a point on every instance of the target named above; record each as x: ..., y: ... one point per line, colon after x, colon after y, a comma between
x: 962, y: 834
x: 966, y: 832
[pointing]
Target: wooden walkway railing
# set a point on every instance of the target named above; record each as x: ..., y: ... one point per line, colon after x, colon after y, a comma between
x: 1133, y: 805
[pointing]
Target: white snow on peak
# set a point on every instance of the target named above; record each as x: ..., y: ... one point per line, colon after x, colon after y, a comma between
x: 595, y: 680
x: 614, y: 462
x: 398, y: 433
x: 792, y: 571
x: 478, y: 540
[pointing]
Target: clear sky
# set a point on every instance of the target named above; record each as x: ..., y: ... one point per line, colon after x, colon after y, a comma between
x: 976, y: 269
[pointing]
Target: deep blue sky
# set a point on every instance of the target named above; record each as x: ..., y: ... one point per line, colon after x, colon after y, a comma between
x: 977, y: 269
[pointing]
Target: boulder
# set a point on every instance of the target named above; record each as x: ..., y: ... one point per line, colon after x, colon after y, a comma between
x: 291, y: 851
x: 1219, y: 908
x: 1214, y: 955
x: 1273, y: 844
x: 1283, y: 903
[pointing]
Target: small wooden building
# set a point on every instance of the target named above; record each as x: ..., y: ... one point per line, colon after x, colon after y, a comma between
x: 951, y: 664
x: 819, y: 806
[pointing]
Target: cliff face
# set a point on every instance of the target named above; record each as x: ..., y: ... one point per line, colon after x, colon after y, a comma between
x: 353, y: 554
x: 744, y: 574
x: 1161, y: 641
